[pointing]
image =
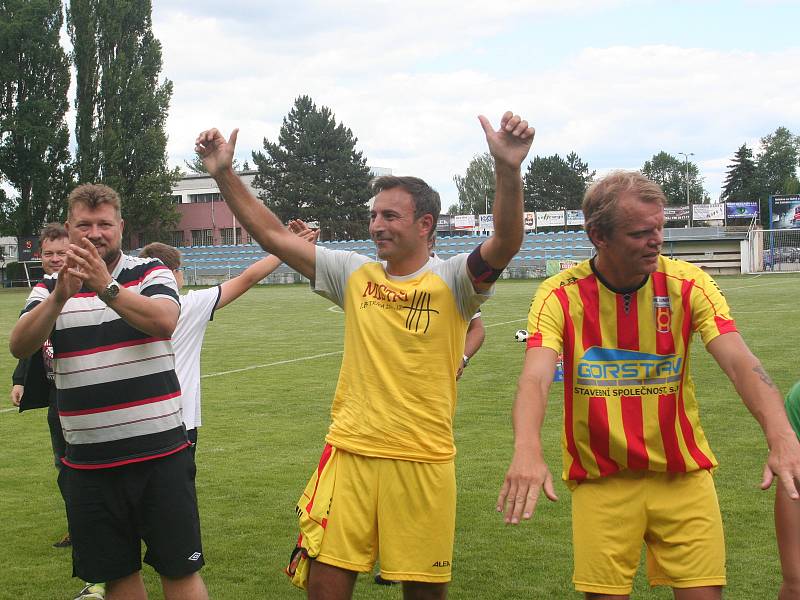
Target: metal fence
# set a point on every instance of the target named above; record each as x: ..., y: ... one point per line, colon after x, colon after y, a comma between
x: 774, y: 250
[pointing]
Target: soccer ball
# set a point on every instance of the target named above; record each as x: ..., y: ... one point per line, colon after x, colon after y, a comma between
x: 521, y: 335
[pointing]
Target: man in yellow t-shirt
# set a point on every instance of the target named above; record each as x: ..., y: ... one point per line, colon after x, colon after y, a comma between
x: 390, y: 443
x: 634, y: 454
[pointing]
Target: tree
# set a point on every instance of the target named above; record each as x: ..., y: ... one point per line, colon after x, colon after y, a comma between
x: 122, y: 109
x: 670, y: 173
x: 553, y: 183
x: 776, y: 166
x: 741, y: 182
x: 315, y: 173
x: 476, y: 187
x: 34, y: 138
x: 196, y: 165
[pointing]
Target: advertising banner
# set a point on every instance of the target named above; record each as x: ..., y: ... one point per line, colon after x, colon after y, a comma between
x: 529, y: 220
x: 554, y: 267
x: 28, y: 248
x: 676, y: 213
x: 708, y: 212
x: 785, y: 212
x: 575, y: 217
x: 741, y: 210
x: 486, y: 222
x: 444, y: 223
x: 550, y: 218
x: 463, y: 221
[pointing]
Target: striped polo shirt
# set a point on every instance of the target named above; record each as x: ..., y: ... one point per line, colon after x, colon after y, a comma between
x: 117, y: 393
x: 629, y: 399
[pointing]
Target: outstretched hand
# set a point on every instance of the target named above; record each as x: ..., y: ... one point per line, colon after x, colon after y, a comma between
x: 526, y: 478
x: 301, y: 229
x: 783, y: 464
x: 509, y: 145
x: 215, y: 151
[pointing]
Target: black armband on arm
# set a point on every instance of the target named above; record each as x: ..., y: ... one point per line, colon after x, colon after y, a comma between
x: 481, y: 271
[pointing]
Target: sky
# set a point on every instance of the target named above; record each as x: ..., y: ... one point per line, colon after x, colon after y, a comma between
x: 615, y: 81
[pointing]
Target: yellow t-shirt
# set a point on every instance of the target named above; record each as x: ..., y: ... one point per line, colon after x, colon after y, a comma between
x: 403, y: 342
x: 629, y: 400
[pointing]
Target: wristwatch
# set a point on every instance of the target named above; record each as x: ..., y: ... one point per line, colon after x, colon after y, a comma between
x: 465, y: 361
x: 109, y: 292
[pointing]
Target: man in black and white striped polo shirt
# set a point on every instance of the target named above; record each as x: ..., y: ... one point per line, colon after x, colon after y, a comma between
x: 110, y: 318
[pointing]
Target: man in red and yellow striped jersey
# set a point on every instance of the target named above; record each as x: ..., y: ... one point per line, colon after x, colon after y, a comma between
x: 635, y: 455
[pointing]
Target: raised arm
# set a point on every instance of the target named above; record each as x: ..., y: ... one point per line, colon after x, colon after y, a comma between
x: 528, y: 473
x: 260, y: 222
x: 509, y: 146
x: 235, y: 287
x: 764, y: 401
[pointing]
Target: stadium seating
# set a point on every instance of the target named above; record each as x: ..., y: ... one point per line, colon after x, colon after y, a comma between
x: 205, y: 265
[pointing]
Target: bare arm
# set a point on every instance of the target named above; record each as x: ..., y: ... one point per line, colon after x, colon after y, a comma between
x: 475, y: 336
x: 765, y: 403
x: 155, y: 316
x: 16, y: 394
x: 473, y: 342
x: 528, y: 473
x: 260, y: 222
x: 509, y: 146
x: 32, y: 329
x: 233, y: 288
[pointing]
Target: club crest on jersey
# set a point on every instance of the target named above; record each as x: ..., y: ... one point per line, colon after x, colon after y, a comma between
x: 663, y: 313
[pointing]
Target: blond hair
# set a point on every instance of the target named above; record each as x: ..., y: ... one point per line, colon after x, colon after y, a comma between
x: 601, y: 199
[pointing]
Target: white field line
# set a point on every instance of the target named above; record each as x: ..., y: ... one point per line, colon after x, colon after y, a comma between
x: 273, y: 364
x: 747, y: 287
x: 303, y: 358
x: 5, y: 410
x: 505, y: 323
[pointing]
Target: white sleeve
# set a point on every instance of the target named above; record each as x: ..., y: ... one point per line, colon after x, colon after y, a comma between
x: 200, y: 304
x: 333, y: 268
x: 454, y: 272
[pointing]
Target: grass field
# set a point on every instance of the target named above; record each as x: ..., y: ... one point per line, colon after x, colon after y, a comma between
x: 270, y: 365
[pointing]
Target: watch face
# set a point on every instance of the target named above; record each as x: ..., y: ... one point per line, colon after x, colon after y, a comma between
x: 111, y: 291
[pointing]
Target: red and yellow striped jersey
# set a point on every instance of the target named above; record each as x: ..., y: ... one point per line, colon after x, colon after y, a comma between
x: 629, y: 399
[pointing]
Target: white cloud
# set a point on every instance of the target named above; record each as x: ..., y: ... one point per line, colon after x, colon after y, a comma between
x: 407, y: 83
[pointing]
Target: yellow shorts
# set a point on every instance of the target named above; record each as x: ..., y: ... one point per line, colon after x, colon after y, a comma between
x: 400, y: 510
x: 675, y: 514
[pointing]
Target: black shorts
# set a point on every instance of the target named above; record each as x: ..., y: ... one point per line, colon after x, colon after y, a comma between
x: 111, y: 511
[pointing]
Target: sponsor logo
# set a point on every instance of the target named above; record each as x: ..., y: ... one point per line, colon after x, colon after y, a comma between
x: 441, y: 563
x: 195, y: 556
x: 614, y: 368
x: 380, y: 291
x: 663, y: 313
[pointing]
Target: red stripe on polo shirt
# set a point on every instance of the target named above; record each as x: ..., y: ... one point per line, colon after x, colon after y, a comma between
x: 667, y: 415
x: 576, y: 471
x: 120, y: 463
x: 631, y: 406
x: 599, y: 436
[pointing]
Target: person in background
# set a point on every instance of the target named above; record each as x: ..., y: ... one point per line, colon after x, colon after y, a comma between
x: 197, y: 311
